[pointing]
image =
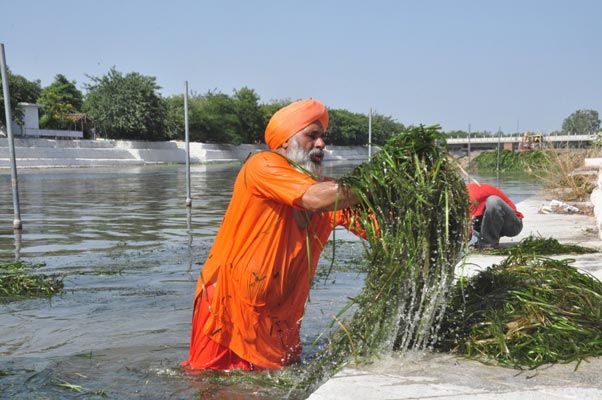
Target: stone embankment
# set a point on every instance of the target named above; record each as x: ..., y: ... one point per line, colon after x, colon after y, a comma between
x: 48, y: 153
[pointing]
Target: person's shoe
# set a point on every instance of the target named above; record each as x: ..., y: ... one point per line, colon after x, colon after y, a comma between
x: 480, y: 245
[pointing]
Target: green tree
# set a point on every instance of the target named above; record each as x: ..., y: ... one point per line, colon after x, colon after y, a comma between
x: 581, y: 122
x: 346, y: 128
x: 60, y: 99
x: 383, y: 128
x: 21, y: 91
x: 216, y: 119
x: 456, y: 134
x: 126, y: 106
x: 174, y: 120
x: 246, y: 106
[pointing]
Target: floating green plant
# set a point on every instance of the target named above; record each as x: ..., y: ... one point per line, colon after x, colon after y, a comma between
x: 525, y: 312
x: 19, y: 279
x: 81, y: 389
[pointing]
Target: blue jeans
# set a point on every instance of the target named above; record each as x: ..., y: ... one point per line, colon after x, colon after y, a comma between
x: 499, y: 219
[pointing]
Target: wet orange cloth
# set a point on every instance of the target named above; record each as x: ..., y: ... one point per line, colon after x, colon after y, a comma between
x: 291, y: 119
x: 207, y: 353
x: 477, y: 195
x: 259, y: 264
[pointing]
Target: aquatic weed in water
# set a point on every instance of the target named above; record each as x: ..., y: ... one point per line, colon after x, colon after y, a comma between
x: 20, y: 279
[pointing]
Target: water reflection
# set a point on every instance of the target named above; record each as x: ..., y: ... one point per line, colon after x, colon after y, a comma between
x: 17, y: 233
x: 71, y: 211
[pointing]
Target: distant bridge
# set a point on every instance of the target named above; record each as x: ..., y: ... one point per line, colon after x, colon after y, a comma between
x: 512, y: 142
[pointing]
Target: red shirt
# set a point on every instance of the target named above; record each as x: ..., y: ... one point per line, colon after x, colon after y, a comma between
x: 478, y: 194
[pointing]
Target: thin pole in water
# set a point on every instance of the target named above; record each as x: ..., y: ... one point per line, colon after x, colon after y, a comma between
x: 188, y: 197
x: 11, y: 145
x: 370, y: 135
x: 18, y: 238
x: 497, y: 168
x: 469, y: 150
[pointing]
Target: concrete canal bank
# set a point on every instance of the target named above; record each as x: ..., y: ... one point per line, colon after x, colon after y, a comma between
x: 48, y: 153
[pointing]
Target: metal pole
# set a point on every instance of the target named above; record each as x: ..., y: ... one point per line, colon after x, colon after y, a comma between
x: 499, y: 137
x: 517, y: 133
x: 188, y: 197
x: 11, y: 145
x: 370, y: 135
x: 468, y: 147
x: 18, y: 238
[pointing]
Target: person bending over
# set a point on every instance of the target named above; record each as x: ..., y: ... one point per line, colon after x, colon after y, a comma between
x: 492, y: 215
x: 251, y: 292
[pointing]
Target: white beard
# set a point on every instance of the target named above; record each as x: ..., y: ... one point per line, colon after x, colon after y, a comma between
x: 303, y: 158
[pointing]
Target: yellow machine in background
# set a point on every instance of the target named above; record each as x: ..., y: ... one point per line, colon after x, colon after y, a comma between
x: 530, y: 142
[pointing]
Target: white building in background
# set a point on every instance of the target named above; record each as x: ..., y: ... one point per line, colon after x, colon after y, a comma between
x: 31, y: 125
x: 31, y: 119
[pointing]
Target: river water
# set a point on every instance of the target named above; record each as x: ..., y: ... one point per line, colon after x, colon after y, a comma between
x: 130, y: 252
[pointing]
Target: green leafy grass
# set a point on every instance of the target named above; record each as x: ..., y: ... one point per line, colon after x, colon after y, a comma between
x: 20, y: 279
x: 540, y: 246
x: 525, y: 312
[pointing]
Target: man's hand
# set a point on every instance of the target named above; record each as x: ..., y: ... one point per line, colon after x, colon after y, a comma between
x: 324, y: 196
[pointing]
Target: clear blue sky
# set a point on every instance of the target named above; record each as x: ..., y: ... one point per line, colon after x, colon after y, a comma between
x: 490, y: 64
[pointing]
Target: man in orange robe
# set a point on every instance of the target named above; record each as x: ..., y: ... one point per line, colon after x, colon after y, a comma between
x: 492, y: 215
x: 251, y: 293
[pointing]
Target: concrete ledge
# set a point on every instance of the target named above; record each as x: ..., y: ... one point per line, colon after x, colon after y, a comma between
x: 66, y: 163
x: 33, y: 152
x: 418, y: 375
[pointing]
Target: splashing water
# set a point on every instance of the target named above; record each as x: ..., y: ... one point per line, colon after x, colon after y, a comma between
x: 413, y: 208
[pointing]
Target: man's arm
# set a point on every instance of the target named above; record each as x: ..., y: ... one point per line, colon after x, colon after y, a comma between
x: 323, y: 196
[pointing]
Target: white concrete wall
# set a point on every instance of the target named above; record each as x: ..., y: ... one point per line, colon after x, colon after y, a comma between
x: 36, y: 152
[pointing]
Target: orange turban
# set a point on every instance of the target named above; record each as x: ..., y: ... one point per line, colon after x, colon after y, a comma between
x: 291, y: 119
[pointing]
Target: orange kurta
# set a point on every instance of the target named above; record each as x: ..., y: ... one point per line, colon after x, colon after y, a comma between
x: 259, y: 263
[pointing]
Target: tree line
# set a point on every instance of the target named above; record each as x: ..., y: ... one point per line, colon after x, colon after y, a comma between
x: 129, y: 106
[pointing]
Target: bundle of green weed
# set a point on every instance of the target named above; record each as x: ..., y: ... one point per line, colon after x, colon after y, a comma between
x: 541, y: 246
x: 525, y: 312
x: 19, y: 280
x: 413, y: 207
